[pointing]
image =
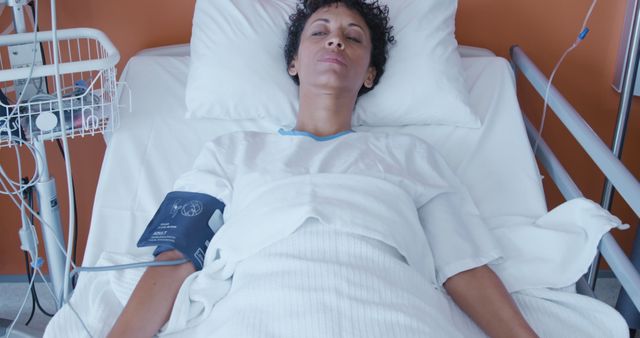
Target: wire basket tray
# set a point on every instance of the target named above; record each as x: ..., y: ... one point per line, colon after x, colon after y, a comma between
x: 87, y: 60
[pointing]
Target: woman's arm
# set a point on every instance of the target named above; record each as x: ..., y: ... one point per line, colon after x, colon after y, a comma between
x: 152, y: 300
x: 480, y: 293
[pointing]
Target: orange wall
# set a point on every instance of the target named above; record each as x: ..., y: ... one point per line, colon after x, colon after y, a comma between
x: 544, y: 28
x: 131, y: 26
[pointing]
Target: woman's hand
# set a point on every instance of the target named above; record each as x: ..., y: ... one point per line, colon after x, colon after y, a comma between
x: 481, y: 295
x: 151, y: 302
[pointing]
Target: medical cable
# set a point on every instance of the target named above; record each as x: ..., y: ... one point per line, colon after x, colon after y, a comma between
x: 60, y: 246
x: 76, y: 269
x: 18, y: 186
x: 67, y: 162
x: 30, y: 274
x: 34, y: 213
x: 24, y: 301
x: 84, y: 326
x: 129, y: 266
x: 27, y: 229
x: 15, y: 109
x: 28, y: 194
x: 46, y: 284
x: 75, y: 238
x: 32, y: 249
x: 116, y: 267
x: 34, y: 292
x: 65, y: 143
x: 18, y: 205
x: 87, y: 269
x: 33, y: 297
x: 584, y: 30
x: 35, y: 301
x: 32, y: 14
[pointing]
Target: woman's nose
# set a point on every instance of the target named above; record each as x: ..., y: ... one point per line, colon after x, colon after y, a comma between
x: 335, y: 42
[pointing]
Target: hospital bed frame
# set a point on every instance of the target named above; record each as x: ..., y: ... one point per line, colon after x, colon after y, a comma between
x: 613, y: 169
x: 619, y: 175
x: 611, y: 166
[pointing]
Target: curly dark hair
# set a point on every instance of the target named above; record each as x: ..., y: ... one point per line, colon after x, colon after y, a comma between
x: 375, y: 15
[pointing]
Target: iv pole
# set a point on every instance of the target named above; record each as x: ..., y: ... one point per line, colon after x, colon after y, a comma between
x: 46, y: 190
x: 624, y: 305
x: 626, y: 94
x: 48, y: 205
x: 629, y: 75
x: 22, y: 50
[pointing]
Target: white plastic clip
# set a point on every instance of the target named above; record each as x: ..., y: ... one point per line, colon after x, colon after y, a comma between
x: 14, y: 3
x: 28, y: 239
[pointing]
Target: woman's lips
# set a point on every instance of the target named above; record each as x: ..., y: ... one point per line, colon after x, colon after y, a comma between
x: 335, y: 59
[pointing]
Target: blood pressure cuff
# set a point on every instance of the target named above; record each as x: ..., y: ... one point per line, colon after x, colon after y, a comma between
x: 185, y: 221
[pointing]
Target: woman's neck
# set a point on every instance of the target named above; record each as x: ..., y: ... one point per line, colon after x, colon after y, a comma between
x: 325, y: 114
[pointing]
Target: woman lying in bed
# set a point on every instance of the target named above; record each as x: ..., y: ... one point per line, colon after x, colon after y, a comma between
x: 353, y: 257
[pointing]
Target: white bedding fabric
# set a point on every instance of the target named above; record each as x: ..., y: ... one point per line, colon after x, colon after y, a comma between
x: 358, y: 277
x: 494, y: 162
x: 551, y: 313
x: 497, y: 155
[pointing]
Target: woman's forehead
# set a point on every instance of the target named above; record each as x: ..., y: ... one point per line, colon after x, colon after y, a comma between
x: 338, y: 11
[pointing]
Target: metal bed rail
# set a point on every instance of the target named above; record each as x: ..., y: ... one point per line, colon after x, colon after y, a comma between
x: 626, y: 184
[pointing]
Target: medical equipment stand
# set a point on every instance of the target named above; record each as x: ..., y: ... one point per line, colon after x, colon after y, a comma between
x: 50, y: 213
x: 624, y: 304
x: 46, y: 192
x: 48, y: 207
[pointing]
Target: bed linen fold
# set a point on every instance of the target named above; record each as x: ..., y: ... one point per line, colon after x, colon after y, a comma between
x: 366, y: 206
x: 526, y: 270
x: 553, y: 251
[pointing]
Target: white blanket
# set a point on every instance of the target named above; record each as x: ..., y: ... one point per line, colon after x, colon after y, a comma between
x: 279, y: 289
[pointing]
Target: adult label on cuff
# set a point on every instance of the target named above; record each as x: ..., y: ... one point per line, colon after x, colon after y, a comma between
x: 185, y: 221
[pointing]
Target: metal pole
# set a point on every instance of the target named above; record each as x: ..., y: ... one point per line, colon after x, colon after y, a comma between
x: 624, y: 304
x: 626, y: 94
x: 46, y: 192
x: 52, y: 232
x: 18, y: 15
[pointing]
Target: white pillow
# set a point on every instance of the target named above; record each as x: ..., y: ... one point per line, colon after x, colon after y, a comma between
x: 238, y: 70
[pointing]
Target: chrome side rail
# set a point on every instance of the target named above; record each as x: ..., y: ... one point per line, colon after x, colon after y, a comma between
x: 626, y: 184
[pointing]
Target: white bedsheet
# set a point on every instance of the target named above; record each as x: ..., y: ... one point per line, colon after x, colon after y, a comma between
x: 356, y: 271
x: 494, y: 162
x: 551, y: 313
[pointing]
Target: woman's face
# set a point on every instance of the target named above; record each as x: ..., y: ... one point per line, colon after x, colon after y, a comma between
x: 335, y: 51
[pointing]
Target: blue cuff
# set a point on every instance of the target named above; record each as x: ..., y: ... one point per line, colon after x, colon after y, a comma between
x: 185, y: 221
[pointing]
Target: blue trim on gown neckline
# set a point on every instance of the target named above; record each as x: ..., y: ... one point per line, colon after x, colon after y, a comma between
x: 294, y: 132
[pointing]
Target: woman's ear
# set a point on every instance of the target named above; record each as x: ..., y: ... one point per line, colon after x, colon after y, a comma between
x: 292, y: 68
x: 371, y: 76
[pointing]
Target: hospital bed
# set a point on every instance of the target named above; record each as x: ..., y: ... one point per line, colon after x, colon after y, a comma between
x: 154, y: 144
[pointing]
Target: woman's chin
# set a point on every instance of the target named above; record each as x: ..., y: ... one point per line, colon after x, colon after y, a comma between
x: 334, y: 85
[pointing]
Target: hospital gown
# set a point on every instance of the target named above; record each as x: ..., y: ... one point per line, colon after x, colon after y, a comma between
x: 372, y: 225
x: 353, y: 236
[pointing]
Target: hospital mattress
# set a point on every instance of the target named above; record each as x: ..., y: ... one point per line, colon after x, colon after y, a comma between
x: 154, y: 144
